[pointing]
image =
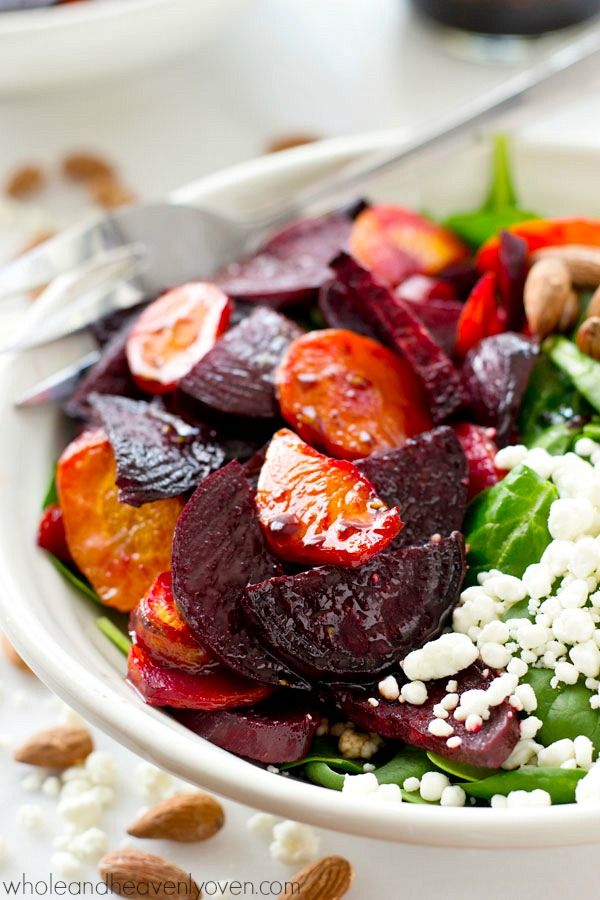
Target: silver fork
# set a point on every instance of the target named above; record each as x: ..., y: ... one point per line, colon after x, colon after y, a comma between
x: 167, y: 243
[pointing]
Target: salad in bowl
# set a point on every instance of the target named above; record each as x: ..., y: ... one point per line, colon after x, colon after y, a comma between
x: 342, y: 503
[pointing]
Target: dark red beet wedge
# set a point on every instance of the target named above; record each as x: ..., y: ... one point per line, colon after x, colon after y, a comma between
x: 218, y: 549
x: 158, y: 455
x: 489, y: 747
x: 402, y: 330
x: 273, y: 736
x: 291, y: 266
x: 340, y: 309
x: 215, y: 688
x: 480, y: 450
x: 236, y: 377
x: 334, y: 624
x: 513, y: 254
x: 494, y: 376
x: 428, y: 479
x: 110, y: 375
x: 51, y: 535
x: 436, y: 305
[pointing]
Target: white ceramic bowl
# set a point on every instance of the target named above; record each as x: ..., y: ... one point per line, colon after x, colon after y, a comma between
x: 53, y: 626
x: 90, y: 41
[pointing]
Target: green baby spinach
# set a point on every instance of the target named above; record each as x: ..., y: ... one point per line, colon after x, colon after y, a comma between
x: 322, y: 774
x: 506, y: 526
x: 559, y: 783
x: 565, y: 710
x: 551, y: 409
x: 500, y: 209
x: 407, y: 763
x: 323, y: 751
x: 115, y: 634
x: 583, y: 371
x: 463, y: 771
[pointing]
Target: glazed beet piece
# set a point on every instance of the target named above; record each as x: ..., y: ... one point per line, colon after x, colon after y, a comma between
x: 461, y: 277
x: 336, y: 624
x: 512, y: 271
x: 401, y: 330
x: 480, y: 450
x: 434, y: 303
x: 340, y: 310
x: 158, y: 455
x: 218, y: 549
x: 292, y: 265
x: 275, y: 735
x: 211, y: 688
x: 494, y: 376
x: 489, y: 747
x: 236, y: 376
x: 428, y: 479
x: 110, y: 375
x: 51, y: 533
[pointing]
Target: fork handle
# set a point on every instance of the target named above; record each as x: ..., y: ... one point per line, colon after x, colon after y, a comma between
x: 475, y: 112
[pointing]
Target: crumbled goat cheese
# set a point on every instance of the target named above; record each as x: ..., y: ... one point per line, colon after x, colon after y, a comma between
x: 356, y: 745
x: 293, y: 843
x: 262, y: 823
x: 31, y: 817
x: 588, y: 787
x: 448, y: 655
x: 433, y: 785
x: 411, y: 784
x: 152, y: 783
x: 65, y: 864
x: 388, y: 688
x: 101, y: 768
x: 414, y: 692
x: 453, y: 795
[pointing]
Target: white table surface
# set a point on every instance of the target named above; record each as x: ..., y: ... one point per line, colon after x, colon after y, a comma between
x: 284, y: 66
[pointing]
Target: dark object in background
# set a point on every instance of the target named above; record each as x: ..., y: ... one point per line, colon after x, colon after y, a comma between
x: 524, y: 17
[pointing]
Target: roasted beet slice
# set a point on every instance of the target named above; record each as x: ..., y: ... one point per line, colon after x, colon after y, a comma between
x: 158, y: 455
x: 428, y: 479
x: 236, y: 376
x: 212, y: 688
x: 110, y: 375
x: 436, y: 305
x: 488, y: 747
x: 402, y: 330
x: 315, y: 510
x: 513, y: 256
x: 292, y: 265
x: 51, y: 533
x: 108, y: 326
x: 335, y: 624
x: 480, y: 449
x: 340, y: 309
x: 218, y: 549
x: 275, y: 735
x: 494, y: 376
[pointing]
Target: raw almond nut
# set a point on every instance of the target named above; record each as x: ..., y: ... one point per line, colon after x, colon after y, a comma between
x: 86, y: 166
x: 12, y: 655
x: 547, y: 289
x: 185, y: 817
x: 593, y: 308
x: 56, y: 748
x: 287, y: 141
x: 108, y: 192
x: 133, y: 873
x: 327, y: 879
x: 24, y: 181
x: 582, y: 262
x: 588, y: 337
x: 571, y: 312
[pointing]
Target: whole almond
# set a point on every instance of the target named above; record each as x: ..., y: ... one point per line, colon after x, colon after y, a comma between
x: 134, y: 873
x: 571, y: 312
x: 185, y: 818
x: 56, y: 748
x: 24, y: 182
x: 583, y: 262
x: 12, y: 655
x: 547, y: 290
x: 326, y: 879
x: 588, y: 337
x: 86, y: 166
x: 593, y: 308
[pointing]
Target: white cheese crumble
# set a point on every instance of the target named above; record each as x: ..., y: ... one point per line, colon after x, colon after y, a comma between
x: 448, y: 655
x: 388, y: 688
x: 414, y: 692
x: 433, y: 785
x: 262, y: 823
x: 293, y: 843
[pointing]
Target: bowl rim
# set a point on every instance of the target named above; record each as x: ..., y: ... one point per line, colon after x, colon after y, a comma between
x: 175, y: 748
x: 21, y: 21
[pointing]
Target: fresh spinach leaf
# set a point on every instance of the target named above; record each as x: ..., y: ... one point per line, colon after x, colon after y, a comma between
x: 51, y: 495
x: 564, y: 710
x: 583, y: 371
x: 592, y: 430
x: 506, y: 526
x: 326, y: 752
x: 518, y: 610
x: 500, y: 209
x: 115, y: 635
x: 551, y: 409
x: 407, y: 763
x: 459, y: 770
x: 322, y: 774
x: 559, y: 783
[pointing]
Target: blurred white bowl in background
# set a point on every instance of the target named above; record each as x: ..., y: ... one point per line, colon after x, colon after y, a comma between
x: 91, y: 41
